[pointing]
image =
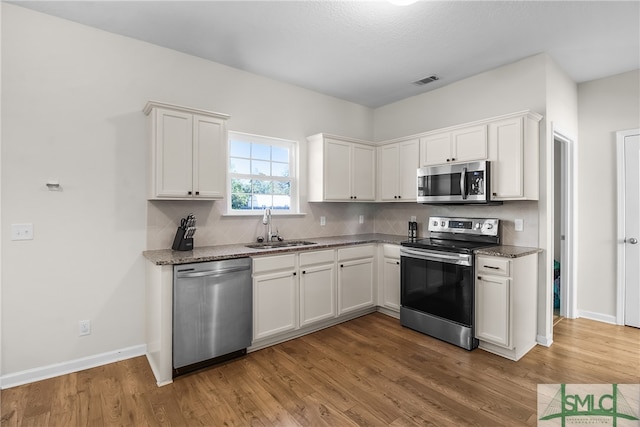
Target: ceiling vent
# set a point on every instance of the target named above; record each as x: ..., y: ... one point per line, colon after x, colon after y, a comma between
x: 426, y: 80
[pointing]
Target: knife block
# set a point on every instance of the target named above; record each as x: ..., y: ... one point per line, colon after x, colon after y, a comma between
x: 180, y: 243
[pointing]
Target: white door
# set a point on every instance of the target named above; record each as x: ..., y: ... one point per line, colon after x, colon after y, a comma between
x: 317, y: 293
x: 363, y: 167
x: 337, y: 170
x: 388, y: 161
x: 208, y: 154
x: 632, y: 229
x: 409, y: 157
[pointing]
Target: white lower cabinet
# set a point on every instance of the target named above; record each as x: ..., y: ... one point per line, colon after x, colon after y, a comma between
x: 506, y: 308
x: 493, y: 316
x: 317, y: 286
x: 297, y: 293
x: 274, y: 295
x: 355, y: 278
x: 390, y: 285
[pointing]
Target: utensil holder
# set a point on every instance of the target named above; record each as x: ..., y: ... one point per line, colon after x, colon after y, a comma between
x: 180, y: 243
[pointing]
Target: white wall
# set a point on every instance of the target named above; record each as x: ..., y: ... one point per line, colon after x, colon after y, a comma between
x: 72, y: 109
x: 605, y: 106
x: 562, y: 114
x: 514, y: 87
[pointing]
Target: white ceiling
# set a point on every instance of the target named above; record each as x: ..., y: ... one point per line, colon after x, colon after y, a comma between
x: 370, y: 52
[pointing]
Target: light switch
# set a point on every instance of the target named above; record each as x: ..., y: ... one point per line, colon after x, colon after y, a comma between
x: 519, y: 224
x: 323, y: 221
x: 21, y: 231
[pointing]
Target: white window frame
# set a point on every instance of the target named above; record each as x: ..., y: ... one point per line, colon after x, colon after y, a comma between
x: 292, y: 145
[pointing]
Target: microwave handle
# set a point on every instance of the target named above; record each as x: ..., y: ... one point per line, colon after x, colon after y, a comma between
x: 463, y: 183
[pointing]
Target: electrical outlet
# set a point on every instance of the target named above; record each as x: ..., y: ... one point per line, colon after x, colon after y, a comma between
x: 21, y: 231
x: 413, y: 219
x: 361, y: 219
x: 84, y: 327
x: 519, y: 224
x: 323, y: 221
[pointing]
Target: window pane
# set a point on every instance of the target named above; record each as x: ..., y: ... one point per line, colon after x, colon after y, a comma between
x: 261, y: 187
x: 279, y: 169
x: 282, y: 187
x: 279, y: 154
x: 239, y: 166
x: 262, y: 201
x: 241, y: 201
x: 240, y: 149
x: 260, y: 168
x: 261, y: 175
x: 240, y: 185
x: 281, y: 202
x: 260, y: 151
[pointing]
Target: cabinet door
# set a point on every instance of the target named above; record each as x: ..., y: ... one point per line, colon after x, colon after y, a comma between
x: 391, y: 283
x: 337, y: 170
x: 407, y: 175
x: 274, y: 304
x: 209, y: 153
x: 389, y: 160
x: 317, y: 293
x: 363, y: 172
x: 435, y: 149
x: 469, y: 144
x: 174, y: 154
x: 506, y: 141
x: 493, y: 309
x: 355, y: 285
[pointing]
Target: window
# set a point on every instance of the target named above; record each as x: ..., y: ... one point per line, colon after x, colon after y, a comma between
x: 261, y: 174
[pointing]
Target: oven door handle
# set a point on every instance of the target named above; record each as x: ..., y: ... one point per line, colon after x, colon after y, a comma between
x: 449, y: 258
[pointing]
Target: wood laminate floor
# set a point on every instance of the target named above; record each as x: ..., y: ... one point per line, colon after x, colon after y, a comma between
x: 366, y: 372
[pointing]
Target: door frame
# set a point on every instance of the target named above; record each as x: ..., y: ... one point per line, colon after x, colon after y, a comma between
x: 621, y: 247
x: 569, y: 274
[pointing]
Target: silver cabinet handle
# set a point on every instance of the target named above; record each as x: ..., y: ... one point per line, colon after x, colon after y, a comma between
x: 633, y: 241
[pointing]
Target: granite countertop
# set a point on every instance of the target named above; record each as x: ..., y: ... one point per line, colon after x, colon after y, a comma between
x: 507, y: 251
x: 214, y: 253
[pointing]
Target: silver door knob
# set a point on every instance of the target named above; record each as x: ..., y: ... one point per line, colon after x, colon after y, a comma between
x: 633, y: 241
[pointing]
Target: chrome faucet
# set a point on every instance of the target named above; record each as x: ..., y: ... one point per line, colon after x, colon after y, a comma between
x: 266, y: 220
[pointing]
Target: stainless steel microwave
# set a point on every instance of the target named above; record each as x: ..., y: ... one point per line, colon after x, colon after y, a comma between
x: 462, y: 183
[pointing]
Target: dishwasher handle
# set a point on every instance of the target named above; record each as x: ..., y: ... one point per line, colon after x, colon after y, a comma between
x: 208, y: 273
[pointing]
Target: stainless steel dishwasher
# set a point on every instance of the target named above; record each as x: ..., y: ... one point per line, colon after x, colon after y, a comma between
x: 212, y: 313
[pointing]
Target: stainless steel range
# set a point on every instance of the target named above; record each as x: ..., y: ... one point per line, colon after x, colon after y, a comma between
x: 437, y: 278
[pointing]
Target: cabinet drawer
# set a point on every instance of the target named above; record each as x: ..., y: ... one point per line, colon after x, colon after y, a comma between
x: 391, y: 251
x: 493, y: 265
x: 273, y: 263
x: 320, y: 257
x: 356, y: 252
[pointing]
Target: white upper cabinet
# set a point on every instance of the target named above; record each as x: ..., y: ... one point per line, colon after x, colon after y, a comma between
x: 513, y: 152
x: 397, y: 165
x: 461, y: 145
x: 187, y: 153
x: 341, y: 169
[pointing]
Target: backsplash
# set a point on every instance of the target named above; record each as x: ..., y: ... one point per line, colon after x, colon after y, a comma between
x: 214, y: 228
x: 391, y: 218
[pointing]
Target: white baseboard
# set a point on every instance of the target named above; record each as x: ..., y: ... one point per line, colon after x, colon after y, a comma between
x: 606, y: 318
x: 544, y: 340
x: 50, y: 371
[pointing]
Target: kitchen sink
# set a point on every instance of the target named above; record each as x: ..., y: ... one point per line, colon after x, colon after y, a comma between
x: 278, y: 245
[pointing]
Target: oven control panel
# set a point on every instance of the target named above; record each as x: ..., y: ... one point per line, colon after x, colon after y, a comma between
x: 479, y: 226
